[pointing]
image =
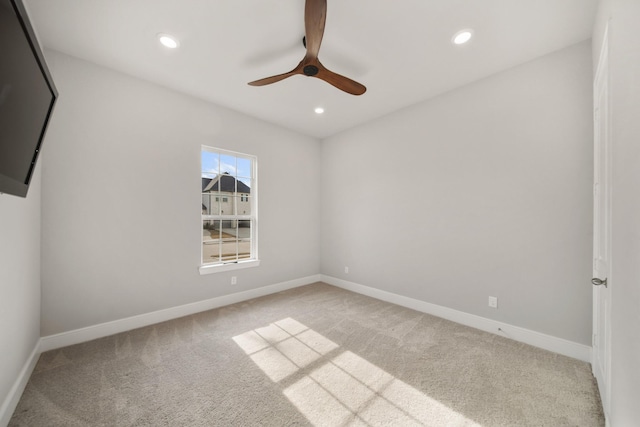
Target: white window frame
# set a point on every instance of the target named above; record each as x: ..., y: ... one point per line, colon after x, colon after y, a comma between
x: 254, y: 261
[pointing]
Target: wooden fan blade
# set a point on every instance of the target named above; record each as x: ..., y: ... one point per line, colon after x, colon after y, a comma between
x: 277, y: 78
x: 272, y: 79
x: 341, y: 82
x: 315, y: 16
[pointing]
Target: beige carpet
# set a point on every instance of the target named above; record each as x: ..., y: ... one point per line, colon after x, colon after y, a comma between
x: 315, y: 355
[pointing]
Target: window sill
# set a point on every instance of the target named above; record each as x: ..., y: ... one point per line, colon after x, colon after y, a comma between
x: 219, y: 268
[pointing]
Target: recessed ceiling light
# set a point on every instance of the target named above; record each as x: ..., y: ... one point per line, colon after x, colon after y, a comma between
x: 462, y: 36
x: 168, y: 41
x: 319, y: 110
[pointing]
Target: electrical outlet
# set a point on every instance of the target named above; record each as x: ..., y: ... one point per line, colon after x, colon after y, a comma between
x: 234, y: 280
x: 346, y: 270
x: 493, y: 302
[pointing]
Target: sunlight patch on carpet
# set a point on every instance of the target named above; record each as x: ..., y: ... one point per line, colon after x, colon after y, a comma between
x: 345, y: 390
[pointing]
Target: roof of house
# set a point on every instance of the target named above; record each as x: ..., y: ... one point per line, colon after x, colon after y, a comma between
x: 226, y: 182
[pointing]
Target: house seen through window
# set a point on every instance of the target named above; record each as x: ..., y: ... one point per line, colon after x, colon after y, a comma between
x: 228, y: 207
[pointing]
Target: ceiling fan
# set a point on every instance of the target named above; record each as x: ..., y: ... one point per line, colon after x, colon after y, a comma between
x: 315, y: 15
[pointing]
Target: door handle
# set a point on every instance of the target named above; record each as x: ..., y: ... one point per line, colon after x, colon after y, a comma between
x: 599, y: 282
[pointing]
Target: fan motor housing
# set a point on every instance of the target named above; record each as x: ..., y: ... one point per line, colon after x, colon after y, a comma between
x: 310, y: 70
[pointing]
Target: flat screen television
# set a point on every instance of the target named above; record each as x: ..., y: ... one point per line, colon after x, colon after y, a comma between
x: 27, y: 97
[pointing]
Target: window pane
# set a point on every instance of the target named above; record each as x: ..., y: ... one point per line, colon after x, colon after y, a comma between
x: 227, y: 164
x: 243, y: 186
x: 210, y: 204
x: 244, y: 249
x: 243, y: 205
x: 210, y: 252
x: 244, y: 239
x: 244, y: 167
x: 210, y: 241
x: 226, y: 208
x: 229, y: 249
x: 210, y: 230
x: 244, y: 230
x: 244, y: 181
x: 208, y: 182
x: 237, y: 206
x: 210, y: 164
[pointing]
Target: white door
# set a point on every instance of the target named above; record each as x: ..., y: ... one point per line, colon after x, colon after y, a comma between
x: 602, y: 228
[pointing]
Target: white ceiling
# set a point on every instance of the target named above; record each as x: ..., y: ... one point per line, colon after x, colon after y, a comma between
x: 401, y: 50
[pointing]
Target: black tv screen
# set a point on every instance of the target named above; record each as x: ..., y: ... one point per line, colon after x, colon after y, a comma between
x: 27, y: 96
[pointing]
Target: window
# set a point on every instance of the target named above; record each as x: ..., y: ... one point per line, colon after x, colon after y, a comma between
x: 229, y: 202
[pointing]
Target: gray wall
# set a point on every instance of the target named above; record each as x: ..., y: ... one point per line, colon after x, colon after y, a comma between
x: 121, y: 204
x: 624, y: 69
x: 485, y: 190
x: 19, y: 281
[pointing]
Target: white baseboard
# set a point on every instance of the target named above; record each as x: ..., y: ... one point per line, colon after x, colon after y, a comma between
x: 12, y: 399
x: 89, y: 333
x: 537, y: 339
